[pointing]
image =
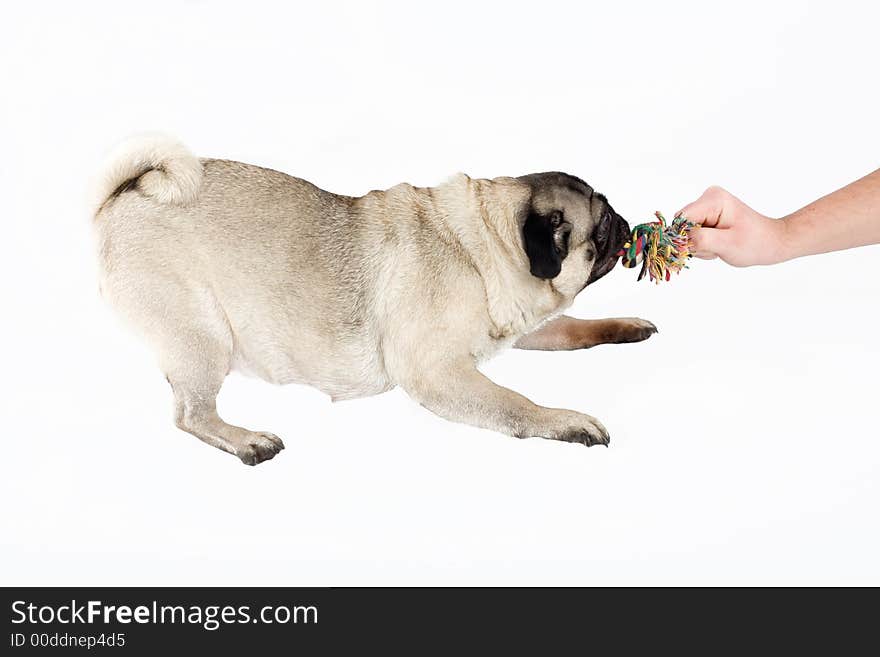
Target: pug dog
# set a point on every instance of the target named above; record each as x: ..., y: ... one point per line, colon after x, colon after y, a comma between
x: 227, y: 266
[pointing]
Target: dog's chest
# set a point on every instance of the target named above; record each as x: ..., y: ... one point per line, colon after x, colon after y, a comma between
x: 510, y: 321
x: 513, y: 314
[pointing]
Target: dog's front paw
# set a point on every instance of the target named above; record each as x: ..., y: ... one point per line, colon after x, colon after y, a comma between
x: 259, y: 446
x: 582, y: 429
x: 587, y: 436
x: 628, y: 329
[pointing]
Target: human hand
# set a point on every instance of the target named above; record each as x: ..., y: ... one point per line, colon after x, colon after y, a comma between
x: 732, y: 231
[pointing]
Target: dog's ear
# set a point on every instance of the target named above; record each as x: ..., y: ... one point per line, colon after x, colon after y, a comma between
x: 545, y: 239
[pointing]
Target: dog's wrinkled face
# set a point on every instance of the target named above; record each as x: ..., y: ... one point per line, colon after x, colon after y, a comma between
x: 570, y: 233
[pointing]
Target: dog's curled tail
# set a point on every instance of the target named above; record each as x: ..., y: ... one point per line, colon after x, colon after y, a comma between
x: 156, y: 165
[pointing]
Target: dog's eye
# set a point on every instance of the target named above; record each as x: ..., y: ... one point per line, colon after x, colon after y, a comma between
x: 556, y: 219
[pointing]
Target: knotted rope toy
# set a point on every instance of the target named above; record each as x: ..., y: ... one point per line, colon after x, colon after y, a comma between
x: 663, y: 248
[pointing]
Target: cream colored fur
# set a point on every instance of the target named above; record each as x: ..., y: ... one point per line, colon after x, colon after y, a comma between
x: 166, y: 170
x: 222, y: 265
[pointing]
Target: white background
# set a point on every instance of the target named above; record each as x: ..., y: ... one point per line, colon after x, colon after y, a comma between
x: 744, y: 436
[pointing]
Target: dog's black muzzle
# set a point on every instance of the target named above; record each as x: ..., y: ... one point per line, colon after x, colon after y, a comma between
x: 609, y: 237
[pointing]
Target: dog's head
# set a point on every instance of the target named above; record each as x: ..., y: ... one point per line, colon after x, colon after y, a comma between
x: 570, y: 233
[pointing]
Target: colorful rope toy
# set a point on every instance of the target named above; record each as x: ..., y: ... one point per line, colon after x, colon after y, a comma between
x: 663, y: 248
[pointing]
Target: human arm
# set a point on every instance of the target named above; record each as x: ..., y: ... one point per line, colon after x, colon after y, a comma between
x: 740, y: 236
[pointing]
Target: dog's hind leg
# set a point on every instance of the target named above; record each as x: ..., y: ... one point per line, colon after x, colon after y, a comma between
x: 193, y: 339
x: 567, y: 333
x: 195, y: 364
